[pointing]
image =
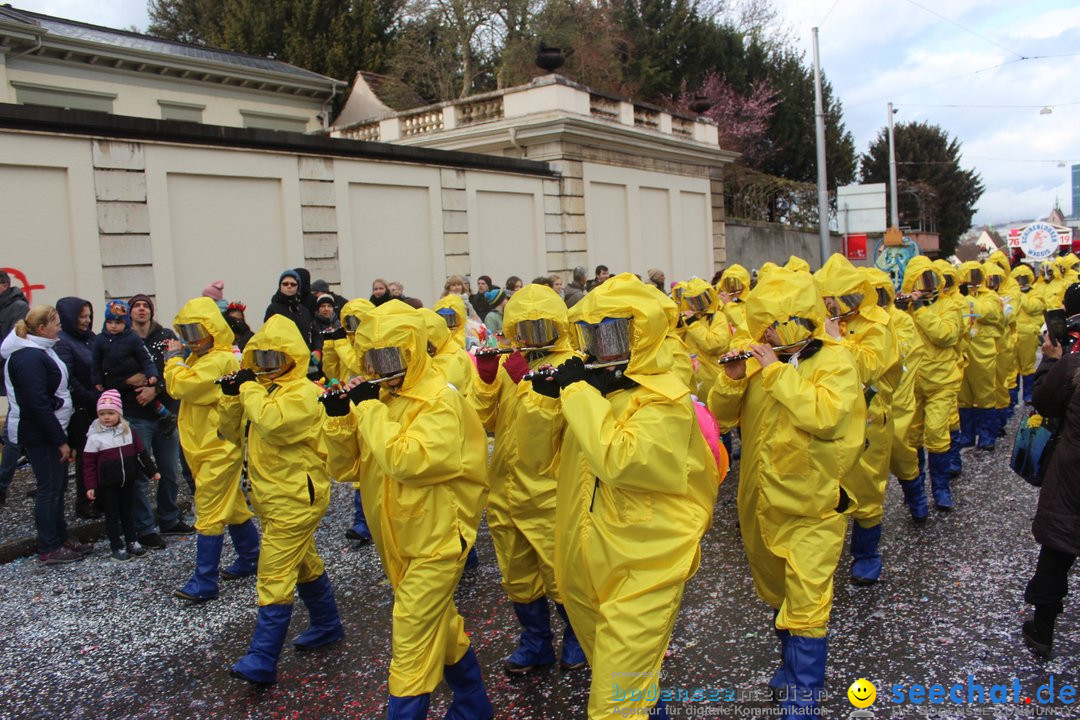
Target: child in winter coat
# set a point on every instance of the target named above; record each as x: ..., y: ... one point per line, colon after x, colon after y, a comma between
x: 118, y: 353
x: 113, y: 459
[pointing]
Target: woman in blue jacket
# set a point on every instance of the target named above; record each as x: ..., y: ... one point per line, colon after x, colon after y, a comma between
x: 38, y: 416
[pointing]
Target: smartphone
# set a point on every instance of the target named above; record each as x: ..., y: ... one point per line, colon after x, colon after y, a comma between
x: 1056, y: 326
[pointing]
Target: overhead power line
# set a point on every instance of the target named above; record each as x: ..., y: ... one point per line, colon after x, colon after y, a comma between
x: 967, y: 29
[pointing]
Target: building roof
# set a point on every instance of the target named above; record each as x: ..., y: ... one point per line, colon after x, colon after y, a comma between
x: 110, y: 40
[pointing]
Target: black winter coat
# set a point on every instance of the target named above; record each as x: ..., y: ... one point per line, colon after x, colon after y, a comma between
x: 1057, y: 520
x: 292, y: 308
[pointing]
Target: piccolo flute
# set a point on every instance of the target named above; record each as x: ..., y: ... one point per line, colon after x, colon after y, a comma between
x: 744, y: 355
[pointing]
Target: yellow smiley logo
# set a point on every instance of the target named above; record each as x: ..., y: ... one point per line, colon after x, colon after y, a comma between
x: 862, y: 693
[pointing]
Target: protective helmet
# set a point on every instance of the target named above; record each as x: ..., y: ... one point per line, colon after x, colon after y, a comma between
x: 606, y: 342
x: 195, y: 337
x: 270, y: 363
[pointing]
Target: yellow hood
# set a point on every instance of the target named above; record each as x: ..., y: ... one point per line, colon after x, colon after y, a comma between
x: 1001, y: 260
x: 437, y: 332
x: 537, y: 302
x: 782, y: 294
x: 879, y: 279
x: 915, y: 268
x: 651, y: 360
x: 455, y: 303
x: 357, y: 308
x: 279, y: 333
x: 797, y: 264
x: 741, y: 274
x: 1067, y: 264
x: 1023, y: 270
x: 964, y: 271
x: 694, y: 287
x: 839, y: 277
x: 395, y: 324
x: 948, y: 270
x: 994, y: 269
x: 205, y: 311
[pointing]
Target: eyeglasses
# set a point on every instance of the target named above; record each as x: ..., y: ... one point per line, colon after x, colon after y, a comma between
x: 288, y: 284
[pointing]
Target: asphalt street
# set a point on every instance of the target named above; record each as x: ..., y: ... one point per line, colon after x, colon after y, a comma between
x: 104, y: 640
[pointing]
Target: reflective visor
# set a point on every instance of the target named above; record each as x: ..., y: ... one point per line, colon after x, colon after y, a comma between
x: 536, y: 333
x: 384, y: 362
x: 976, y: 277
x: 699, y: 303
x: 449, y: 316
x: 731, y: 285
x: 927, y: 282
x: 1047, y: 271
x: 191, y: 332
x: 351, y: 322
x: 842, y: 305
x: 882, y: 297
x: 1023, y: 281
x: 606, y: 341
x: 793, y: 331
x: 993, y: 282
x: 269, y: 361
x: 949, y: 281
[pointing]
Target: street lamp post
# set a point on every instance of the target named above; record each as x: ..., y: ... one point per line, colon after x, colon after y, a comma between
x: 895, y: 214
x: 823, y: 188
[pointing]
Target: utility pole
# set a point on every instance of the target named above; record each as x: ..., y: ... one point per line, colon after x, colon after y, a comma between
x: 894, y: 216
x: 823, y: 188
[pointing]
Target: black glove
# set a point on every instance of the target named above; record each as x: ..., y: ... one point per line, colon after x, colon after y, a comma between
x: 570, y: 372
x: 364, y: 391
x: 608, y: 380
x: 338, y: 334
x: 546, y: 385
x: 691, y: 320
x: 336, y: 403
x: 230, y: 384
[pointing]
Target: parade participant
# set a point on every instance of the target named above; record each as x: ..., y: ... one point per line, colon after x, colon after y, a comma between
x: 282, y: 423
x: 215, y: 463
x: 978, y: 426
x: 339, y: 358
x: 636, y: 490
x: 797, y: 264
x: 705, y: 331
x: 859, y: 324
x: 418, y: 450
x: 449, y: 357
x: 802, y: 419
x: 1005, y: 384
x: 1029, y: 319
x: 937, y: 382
x: 528, y: 430
x: 950, y: 296
x: 734, y: 285
x: 1050, y: 285
x: 453, y: 311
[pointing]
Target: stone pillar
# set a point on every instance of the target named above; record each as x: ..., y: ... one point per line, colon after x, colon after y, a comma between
x: 318, y: 215
x: 455, y: 216
x: 123, y: 217
x: 719, y: 236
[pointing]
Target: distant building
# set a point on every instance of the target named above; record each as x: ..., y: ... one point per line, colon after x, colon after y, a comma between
x: 54, y: 62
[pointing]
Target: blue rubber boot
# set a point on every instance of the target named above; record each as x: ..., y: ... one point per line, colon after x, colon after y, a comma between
x: 245, y: 540
x: 1014, y: 396
x: 865, y: 558
x: 359, y: 530
x: 573, y: 657
x: 939, y: 481
x: 779, y: 679
x: 203, y: 585
x: 1029, y: 386
x: 986, y: 424
x: 915, y: 493
x: 260, y: 664
x: 956, y: 461
x: 324, y: 625
x: 413, y: 707
x: 804, y: 659
x: 534, y: 650
x: 965, y: 438
x: 726, y: 440
x: 472, y: 562
x: 470, y: 698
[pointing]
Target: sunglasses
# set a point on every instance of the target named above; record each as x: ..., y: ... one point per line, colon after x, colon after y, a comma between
x: 288, y: 284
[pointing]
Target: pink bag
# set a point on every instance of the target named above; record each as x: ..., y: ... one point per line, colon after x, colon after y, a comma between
x: 710, y: 429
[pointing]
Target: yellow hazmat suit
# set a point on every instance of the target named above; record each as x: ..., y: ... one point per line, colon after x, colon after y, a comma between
x: 636, y: 491
x: 938, y: 328
x: 735, y: 283
x: 866, y: 335
x: 419, y: 454
x: 797, y: 264
x: 290, y: 488
x: 901, y: 376
x: 1009, y: 292
x: 706, y: 333
x: 1029, y: 320
x: 339, y: 359
x: 215, y: 463
x: 455, y: 303
x: 528, y: 430
x: 803, y: 427
x: 449, y: 357
x: 980, y: 376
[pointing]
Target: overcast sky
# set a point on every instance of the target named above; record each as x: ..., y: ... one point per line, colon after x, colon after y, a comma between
x: 921, y: 55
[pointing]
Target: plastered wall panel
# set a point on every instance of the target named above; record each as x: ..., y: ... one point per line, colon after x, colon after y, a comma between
x: 608, y: 227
